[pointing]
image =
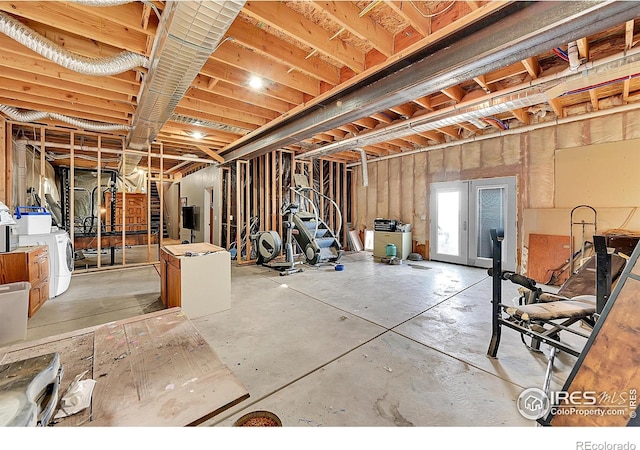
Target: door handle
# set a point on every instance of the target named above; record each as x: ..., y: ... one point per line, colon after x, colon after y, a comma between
x: 464, y: 225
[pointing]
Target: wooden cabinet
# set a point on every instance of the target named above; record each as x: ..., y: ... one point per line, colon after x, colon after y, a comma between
x: 402, y: 241
x: 28, y: 264
x: 135, y: 211
x: 195, y: 277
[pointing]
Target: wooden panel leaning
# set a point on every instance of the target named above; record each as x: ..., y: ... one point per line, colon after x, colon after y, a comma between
x: 602, y: 387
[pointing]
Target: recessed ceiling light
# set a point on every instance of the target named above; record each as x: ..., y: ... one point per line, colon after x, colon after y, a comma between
x: 197, y: 134
x: 255, y: 82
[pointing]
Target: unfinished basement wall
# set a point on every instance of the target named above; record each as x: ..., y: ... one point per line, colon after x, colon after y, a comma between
x: 195, y: 187
x: 557, y: 168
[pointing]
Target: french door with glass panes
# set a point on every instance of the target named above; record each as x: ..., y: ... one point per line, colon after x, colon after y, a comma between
x: 463, y: 213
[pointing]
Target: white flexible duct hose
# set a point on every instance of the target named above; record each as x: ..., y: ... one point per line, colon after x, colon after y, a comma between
x: 32, y: 116
x: 89, y: 66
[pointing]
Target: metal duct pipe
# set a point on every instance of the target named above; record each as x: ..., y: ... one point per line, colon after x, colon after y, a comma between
x: 32, y: 116
x: 574, y: 59
x: 208, y: 124
x: 365, y: 170
x: 514, y: 97
x: 188, y: 33
x: 442, y: 118
x: 511, y: 131
x: 89, y: 66
x: 519, y: 31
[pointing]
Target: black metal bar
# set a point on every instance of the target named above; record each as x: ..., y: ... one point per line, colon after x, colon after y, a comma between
x: 496, y: 272
x: 603, y: 272
x: 540, y: 337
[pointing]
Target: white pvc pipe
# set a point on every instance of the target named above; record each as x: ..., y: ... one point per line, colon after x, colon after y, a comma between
x: 365, y: 170
x: 574, y: 59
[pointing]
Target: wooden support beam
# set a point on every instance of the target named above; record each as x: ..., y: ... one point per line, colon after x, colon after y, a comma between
x: 583, y: 49
x: 450, y: 131
x: 532, y: 66
x: 275, y: 71
x: 212, y: 82
x: 433, y: 135
x: 347, y: 15
x: 425, y: 102
x: 628, y: 34
x: 557, y: 107
x: 406, y: 10
x: 482, y: 82
x: 594, y: 99
x: 521, y: 115
x: 625, y: 90
x: 279, y: 16
x: 211, y: 153
x: 470, y: 127
x: 454, y: 92
x: 279, y: 50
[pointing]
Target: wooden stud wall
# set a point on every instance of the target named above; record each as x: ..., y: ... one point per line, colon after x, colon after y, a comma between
x: 74, y: 144
x: 5, y: 145
x: 262, y: 187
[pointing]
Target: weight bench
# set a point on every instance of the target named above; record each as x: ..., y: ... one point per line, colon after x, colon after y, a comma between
x: 543, y: 316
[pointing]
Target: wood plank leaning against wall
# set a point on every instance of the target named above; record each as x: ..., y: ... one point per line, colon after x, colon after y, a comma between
x: 530, y: 156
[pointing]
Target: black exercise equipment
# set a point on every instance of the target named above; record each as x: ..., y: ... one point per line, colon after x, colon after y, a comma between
x: 269, y: 246
x: 318, y: 242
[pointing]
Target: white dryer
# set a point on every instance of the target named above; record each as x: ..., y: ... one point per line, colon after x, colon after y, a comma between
x: 60, y: 258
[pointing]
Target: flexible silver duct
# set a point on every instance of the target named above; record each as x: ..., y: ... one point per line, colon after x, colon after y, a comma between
x: 188, y: 33
x: 89, y: 66
x: 32, y: 116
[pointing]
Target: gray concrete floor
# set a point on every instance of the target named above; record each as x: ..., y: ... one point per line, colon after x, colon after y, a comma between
x: 375, y: 345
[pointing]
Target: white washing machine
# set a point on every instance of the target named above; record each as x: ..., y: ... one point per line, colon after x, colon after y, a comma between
x: 60, y: 258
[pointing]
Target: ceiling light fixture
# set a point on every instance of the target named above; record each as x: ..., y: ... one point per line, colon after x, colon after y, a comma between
x: 197, y: 134
x: 255, y: 82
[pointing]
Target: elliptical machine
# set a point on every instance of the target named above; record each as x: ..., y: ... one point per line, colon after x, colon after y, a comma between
x: 269, y: 245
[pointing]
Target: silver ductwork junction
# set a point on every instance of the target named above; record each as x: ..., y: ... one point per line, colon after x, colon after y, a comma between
x: 33, y: 116
x: 89, y: 66
x: 188, y: 33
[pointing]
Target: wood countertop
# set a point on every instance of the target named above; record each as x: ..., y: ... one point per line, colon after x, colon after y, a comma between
x: 195, y: 248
